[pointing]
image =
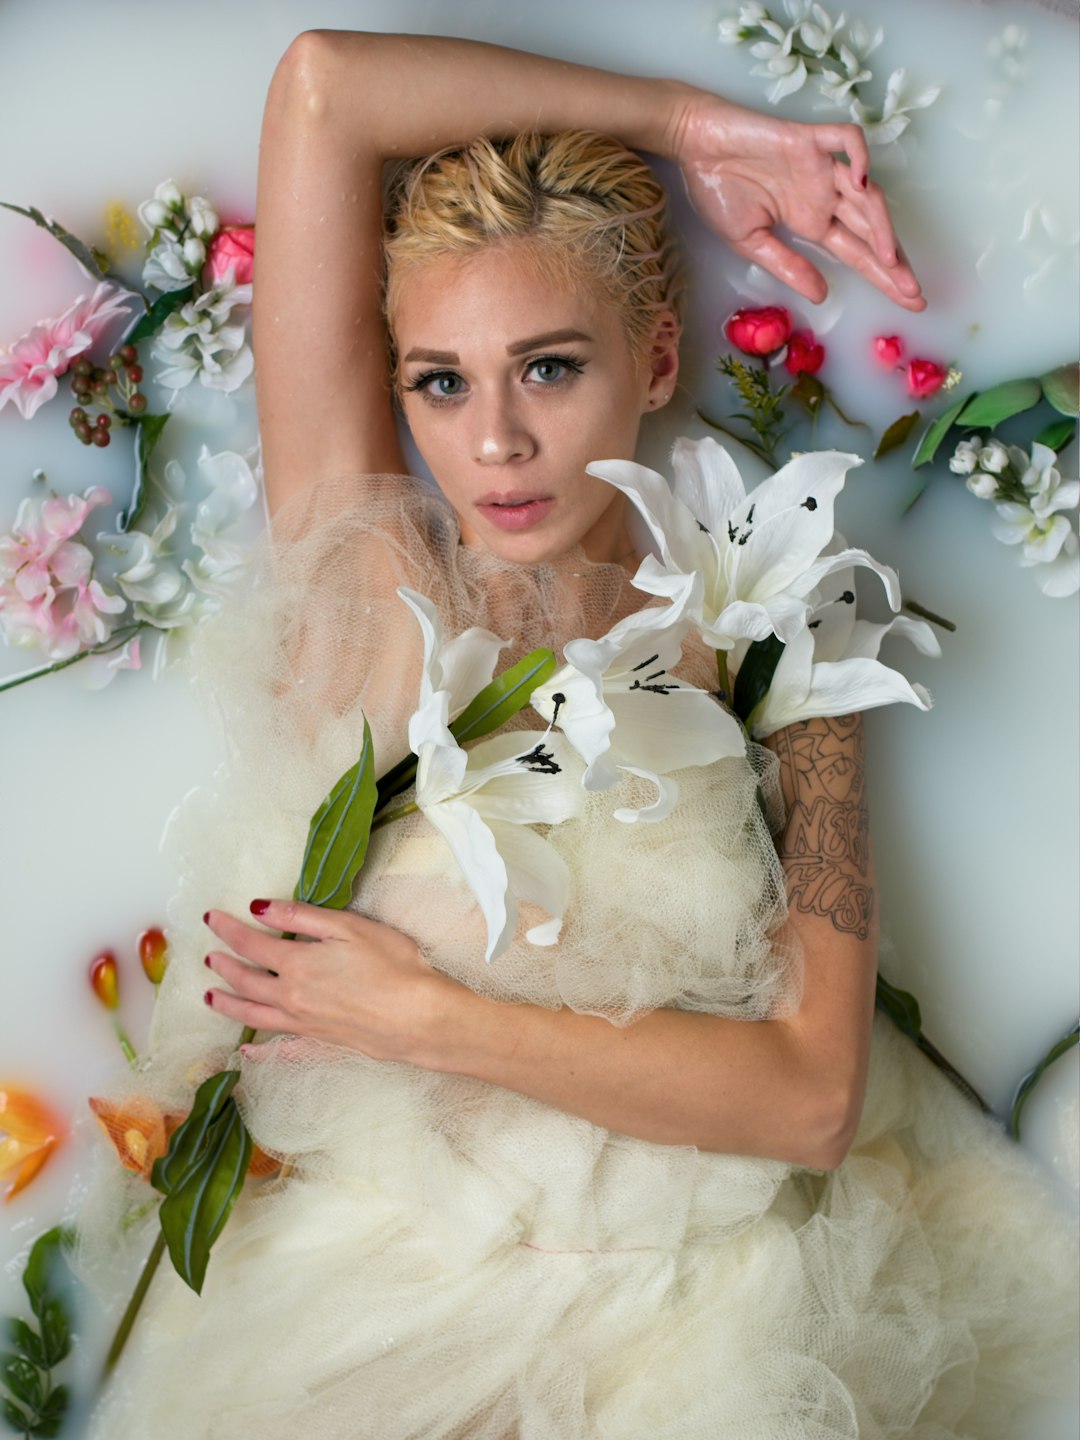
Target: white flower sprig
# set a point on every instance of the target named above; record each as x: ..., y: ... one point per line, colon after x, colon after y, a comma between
x: 1036, y: 509
x: 180, y: 229
x: 812, y: 43
x: 198, y: 342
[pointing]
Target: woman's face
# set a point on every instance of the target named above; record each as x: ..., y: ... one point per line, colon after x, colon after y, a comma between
x: 512, y: 384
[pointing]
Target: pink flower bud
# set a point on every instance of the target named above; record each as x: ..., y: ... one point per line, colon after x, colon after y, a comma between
x: 889, y: 350
x: 154, y: 954
x: 925, y: 378
x: 103, y: 979
x: 805, y: 356
x: 233, y: 248
x: 759, y: 332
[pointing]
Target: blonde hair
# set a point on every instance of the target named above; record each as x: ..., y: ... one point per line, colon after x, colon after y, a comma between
x: 588, y: 212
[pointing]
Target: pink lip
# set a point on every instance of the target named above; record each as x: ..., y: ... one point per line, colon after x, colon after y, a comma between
x: 514, y: 509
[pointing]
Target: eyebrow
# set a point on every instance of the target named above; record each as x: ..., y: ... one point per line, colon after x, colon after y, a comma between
x: 519, y: 347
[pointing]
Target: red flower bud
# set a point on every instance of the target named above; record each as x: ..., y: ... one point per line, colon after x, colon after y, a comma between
x: 154, y: 954
x: 889, y: 350
x: 805, y: 356
x: 759, y: 332
x: 925, y: 378
x: 104, y: 980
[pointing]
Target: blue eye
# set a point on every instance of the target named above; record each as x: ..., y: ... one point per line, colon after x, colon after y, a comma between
x: 437, y: 385
x: 551, y: 369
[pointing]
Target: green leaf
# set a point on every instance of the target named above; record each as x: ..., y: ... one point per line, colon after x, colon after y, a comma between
x: 338, y: 838
x: 55, y: 1333
x: 51, y: 1414
x: 991, y: 407
x: 92, y: 260
x: 191, y: 1140
x: 901, y: 1008
x: 1032, y: 1078
x: 504, y: 697
x: 1062, y: 388
x: 147, y: 435
x: 16, y: 1418
x: 1057, y: 434
x: 27, y: 1341
x: 40, y: 1267
x: 936, y: 433
x: 164, y: 306
x: 193, y: 1215
x: 809, y: 392
x: 897, y: 433
x: 23, y: 1379
x: 755, y: 675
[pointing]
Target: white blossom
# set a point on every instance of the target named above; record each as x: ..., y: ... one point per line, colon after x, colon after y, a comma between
x: 890, y: 124
x: 983, y: 485
x: 994, y: 457
x: 202, y: 217
x: 1042, y: 481
x: 198, y: 342
x: 966, y: 456
x: 165, y: 267
x: 452, y: 674
x: 194, y: 254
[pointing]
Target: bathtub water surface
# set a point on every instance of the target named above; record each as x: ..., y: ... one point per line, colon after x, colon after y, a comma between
x: 975, y: 806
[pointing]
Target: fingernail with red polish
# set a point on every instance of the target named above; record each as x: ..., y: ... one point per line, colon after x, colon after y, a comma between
x: 260, y: 907
x: 206, y: 918
x: 865, y: 181
x: 206, y: 960
x: 208, y: 998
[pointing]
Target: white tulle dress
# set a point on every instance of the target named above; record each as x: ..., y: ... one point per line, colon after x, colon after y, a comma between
x: 441, y: 1257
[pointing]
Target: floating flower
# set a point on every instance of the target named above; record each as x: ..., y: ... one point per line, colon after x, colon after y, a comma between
x: 759, y: 332
x: 831, y: 667
x: 893, y: 119
x: 805, y: 355
x: 30, y: 1131
x: 453, y: 672
x: 140, y: 1131
x: 888, y: 350
x: 925, y: 378
x: 483, y: 802
x: 28, y: 374
x: 180, y: 229
x: 103, y: 980
x: 621, y: 709
x: 759, y: 555
x: 153, y: 954
x: 197, y: 341
x: 232, y: 249
x: 144, y: 573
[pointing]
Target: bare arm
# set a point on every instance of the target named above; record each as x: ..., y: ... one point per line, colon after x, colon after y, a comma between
x: 789, y: 1088
x: 342, y: 104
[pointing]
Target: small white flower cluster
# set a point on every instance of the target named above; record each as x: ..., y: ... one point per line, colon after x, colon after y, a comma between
x: 180, y: 230
x: 164, y: 590
x: 1035, y: 508
x: 198, y: 341
x: 811, y: 43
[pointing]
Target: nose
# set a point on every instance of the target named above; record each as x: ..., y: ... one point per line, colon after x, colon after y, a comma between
x: 501, y: 435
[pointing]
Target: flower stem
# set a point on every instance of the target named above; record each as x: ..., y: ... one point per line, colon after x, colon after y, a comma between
x: 751, y: 445
x: 396, y: 814
x: 115, y: 641
x: 722, y: 675
x: 917, y: 609
x: 153, y: 1260
x: 126, y: 1046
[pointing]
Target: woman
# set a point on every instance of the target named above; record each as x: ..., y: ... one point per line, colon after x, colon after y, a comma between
x: 508, y: 1211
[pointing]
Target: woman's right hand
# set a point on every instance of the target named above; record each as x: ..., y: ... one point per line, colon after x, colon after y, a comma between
x: 747, y: 173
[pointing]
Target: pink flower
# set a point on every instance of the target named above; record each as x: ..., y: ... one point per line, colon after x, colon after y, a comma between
x: 759, y: 332
x: 925, y: 378
x: 28, y: 374
x: 805, y: 355
x: 233, y: 249
x: 889, y: 350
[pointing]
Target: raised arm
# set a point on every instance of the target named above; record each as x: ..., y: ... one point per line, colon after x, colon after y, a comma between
x: 342, y: 104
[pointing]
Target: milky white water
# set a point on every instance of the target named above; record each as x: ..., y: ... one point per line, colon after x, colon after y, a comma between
x: 975, y: 805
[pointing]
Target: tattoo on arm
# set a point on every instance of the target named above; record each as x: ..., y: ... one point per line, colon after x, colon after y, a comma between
x: 825, y: 847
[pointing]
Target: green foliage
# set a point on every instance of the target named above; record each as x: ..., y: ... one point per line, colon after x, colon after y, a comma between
x: 990, y: 407
x: 901, y: 1008
x: 93, y: 261
x: 939, y: 428
x: 33, y: 1405
x: 504, y: 697
x: 1062, y: 388
x: 897, y: 433
x: 339, y: 833
x: 201, y: 1176
x: 157, y: 313
x: 755, y: 675
x: 762, y: 406
x: 1032, y: 1078
x: 147, y: 434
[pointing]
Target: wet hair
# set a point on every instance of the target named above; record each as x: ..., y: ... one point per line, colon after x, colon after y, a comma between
x: 585, y: 211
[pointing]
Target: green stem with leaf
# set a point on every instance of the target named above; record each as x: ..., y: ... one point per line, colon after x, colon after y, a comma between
x: 116, y: 641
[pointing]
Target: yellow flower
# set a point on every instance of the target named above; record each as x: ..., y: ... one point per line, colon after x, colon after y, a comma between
x: 121, y: 232
x: 29, y: 1133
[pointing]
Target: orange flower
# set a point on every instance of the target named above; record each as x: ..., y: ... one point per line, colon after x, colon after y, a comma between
x: 153, y: 952
x: 139, y: 1131
x: 29, y: 1133
x: 104, y: 981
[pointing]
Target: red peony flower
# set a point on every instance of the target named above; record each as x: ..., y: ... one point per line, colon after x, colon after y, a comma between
x: 759, y: 332
x: 233, y: 247
x: 805, y: 355
x: 925, y: 378
x: 889, y: 350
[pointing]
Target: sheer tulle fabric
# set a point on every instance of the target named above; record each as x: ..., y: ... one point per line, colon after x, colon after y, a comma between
x: 445, y: 1258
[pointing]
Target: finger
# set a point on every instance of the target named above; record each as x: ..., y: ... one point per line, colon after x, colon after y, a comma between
x: 246, y: 1012
x: 767, y: 250
x: 290, y: 1049
x: 248, y: 981
x: 839, y: 241
x: 850, y: 215
x: 270, y: 952
x: 317, y: 922
x: 846, y: 140
x: 875, y: 222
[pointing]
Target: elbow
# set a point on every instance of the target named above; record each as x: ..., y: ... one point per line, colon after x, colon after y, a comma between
x: 304, y: 74
x: 831, y: 1132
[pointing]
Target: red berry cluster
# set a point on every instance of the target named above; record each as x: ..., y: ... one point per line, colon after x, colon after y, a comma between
x: 91, y: 385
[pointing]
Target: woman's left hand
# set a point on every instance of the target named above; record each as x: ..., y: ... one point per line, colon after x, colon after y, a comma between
x: 351, y: 982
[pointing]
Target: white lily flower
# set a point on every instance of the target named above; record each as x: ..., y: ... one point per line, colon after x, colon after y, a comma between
x: 965, y: 457
x: 759, y: 555
x: 831, y: 667
x: 619, y: 708
x: 483, y: 802
x: 454, y: 672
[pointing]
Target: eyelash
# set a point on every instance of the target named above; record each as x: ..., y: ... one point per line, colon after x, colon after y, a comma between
x: 574, y: 363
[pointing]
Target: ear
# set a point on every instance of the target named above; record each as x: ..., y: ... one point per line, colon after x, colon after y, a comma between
x: 662, y: 362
